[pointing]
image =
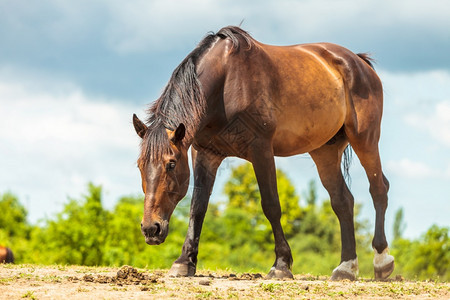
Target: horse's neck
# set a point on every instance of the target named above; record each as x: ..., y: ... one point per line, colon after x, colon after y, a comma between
x: 211, y: 68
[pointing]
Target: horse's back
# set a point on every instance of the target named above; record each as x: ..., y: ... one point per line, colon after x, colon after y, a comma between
x: 355, y: 70
x: 322, y: 86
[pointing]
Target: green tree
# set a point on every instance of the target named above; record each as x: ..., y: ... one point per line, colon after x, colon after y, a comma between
x: 399, y: 226
x: 78, y: 234
x: 13, y: 221
x: 15, y: 231
x: 124, y: 240
x: 427, y: 257
x: 311, y: 194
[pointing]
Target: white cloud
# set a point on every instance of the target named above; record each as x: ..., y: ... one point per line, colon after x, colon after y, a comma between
x: 447, y: 172
x: 410, y: 169
x: 415, y: 91
x: 421, y: 101
x: 52, y: 145
x: 436, y: 123
x: 139, y: 25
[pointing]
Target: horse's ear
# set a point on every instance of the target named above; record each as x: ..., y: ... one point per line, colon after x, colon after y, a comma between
x: 179, y: 133
x: 140, y: 127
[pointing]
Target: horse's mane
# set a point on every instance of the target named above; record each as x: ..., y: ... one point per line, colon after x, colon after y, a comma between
x: 182, y: 100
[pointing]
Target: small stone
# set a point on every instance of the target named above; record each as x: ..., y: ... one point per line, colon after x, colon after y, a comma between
x: 399, y: 278
x: 72, y: 278
x: 246, y: 276
x: 204, y: 282
x: 88, y: 278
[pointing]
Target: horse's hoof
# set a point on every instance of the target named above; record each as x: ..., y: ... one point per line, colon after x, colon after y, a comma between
x: 181, y: 270
x: 383, y: 273
x: 383, y: 264
x: 279, y: 274
x: 346, y: 270
x: 338, y: 275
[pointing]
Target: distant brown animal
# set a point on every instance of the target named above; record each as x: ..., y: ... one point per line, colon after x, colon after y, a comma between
x: 6, y: 255
x: 234, y: 96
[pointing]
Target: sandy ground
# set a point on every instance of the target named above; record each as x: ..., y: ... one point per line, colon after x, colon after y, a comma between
x: 75, y: 282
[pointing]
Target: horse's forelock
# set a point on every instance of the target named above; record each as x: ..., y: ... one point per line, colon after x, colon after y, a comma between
x: 155, y: 145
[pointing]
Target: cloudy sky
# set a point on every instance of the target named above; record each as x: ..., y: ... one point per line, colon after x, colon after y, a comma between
x: 72, y: 73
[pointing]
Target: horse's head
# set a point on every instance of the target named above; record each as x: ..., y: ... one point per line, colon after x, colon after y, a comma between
x: 165, y: 177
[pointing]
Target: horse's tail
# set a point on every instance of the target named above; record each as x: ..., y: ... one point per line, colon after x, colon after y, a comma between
x: 347, y: 156
x: 346, y: 163
x: 9, y: 256
x: 366, y: 57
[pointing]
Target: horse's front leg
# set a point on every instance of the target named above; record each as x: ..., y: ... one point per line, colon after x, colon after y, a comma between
x: 265, y: 171
x: 205, y: 166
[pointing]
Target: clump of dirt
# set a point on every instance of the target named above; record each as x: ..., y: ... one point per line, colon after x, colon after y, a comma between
x: 125, y: 276
x: 232, y: 276
x: 247, y: 276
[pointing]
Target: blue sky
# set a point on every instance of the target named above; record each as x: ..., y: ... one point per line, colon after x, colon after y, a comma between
x: 72, y: 73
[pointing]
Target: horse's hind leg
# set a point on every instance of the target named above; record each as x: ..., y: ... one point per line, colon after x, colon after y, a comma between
x: 328, y: 162
x: 366, y: 147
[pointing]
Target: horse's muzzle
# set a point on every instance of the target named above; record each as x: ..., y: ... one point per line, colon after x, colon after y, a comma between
x: 155, y: 233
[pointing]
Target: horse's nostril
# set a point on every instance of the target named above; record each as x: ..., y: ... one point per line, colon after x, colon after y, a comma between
x: 152, y: 230
x: 157, y: 229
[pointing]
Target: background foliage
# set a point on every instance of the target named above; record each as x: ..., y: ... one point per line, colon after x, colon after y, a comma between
x: 235, y: 236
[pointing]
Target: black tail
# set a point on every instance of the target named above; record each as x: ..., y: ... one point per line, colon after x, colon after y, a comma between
x: 9, y: 256
x: 366, y: 57
x: 346, y: 163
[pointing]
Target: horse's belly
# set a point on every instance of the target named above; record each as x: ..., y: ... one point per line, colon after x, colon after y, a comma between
x: 304, y: 129
x: 287, y: 142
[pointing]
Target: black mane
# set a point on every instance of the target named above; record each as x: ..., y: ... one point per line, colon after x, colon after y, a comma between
x: 182, y: 100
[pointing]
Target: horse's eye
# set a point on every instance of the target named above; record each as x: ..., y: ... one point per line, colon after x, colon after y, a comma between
x: 170, y: 166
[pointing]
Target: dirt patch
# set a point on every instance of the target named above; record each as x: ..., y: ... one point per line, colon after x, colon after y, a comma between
x: 75, y: 282
x: 125, y: 276
x: 128, y: 275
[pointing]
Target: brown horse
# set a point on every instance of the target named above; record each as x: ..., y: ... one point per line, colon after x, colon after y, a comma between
x: 234, y: 96
x: 6, y: 255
